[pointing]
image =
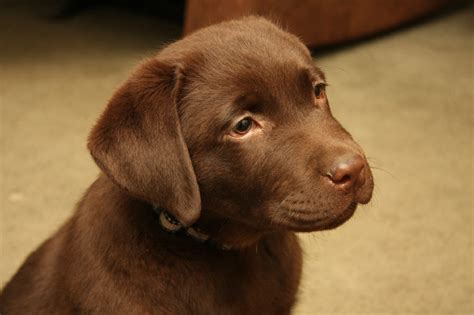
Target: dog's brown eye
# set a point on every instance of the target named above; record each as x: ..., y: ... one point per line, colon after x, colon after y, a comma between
x: 319, y: 90
x: 243, y: 126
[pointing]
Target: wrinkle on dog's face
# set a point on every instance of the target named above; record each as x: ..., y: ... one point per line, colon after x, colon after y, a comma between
x: 274, y: 175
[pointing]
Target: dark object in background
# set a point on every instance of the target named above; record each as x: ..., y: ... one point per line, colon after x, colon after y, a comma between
x: 170, y: 10
x: 317, y: 22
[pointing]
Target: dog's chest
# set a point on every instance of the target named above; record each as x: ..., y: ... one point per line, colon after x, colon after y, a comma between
x: 263, y: 280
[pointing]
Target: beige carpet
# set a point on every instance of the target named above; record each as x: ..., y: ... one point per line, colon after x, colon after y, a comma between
x: 407, y: 98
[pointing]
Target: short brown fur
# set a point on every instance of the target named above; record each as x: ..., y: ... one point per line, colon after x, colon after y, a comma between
x: 166, y: 139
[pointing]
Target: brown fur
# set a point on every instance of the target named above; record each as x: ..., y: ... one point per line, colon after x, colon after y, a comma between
x: 166, y: 139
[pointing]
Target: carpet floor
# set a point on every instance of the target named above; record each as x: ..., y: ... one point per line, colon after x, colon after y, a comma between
x: 406, y: 97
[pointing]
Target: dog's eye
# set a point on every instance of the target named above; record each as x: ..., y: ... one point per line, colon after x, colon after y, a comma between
x: 243, y: 126
x: 319, y: 90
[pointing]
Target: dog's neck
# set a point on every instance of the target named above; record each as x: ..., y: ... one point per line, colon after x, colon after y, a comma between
x: 223, y: 230
x: 171, y: 225
x: 211, y: 228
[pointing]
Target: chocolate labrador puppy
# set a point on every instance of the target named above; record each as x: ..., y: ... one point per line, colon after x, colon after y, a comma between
x: 213, y: 154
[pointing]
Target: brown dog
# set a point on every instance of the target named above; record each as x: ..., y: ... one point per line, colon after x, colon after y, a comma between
x: 214, y: 153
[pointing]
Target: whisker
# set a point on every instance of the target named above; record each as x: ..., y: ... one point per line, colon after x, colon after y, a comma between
x: 371, y: 158
x: 377, y: 167
x: 383, y: 170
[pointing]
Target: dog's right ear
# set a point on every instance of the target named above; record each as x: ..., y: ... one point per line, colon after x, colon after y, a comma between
x: 138, y: 142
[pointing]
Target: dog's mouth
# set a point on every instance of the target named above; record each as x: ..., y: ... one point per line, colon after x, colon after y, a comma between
x: 308, y: 221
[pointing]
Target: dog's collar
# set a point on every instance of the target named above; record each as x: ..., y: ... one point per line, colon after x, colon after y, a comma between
x: 172, y: 226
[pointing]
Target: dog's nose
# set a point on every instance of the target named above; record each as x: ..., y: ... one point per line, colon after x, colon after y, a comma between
x: 348, y: 173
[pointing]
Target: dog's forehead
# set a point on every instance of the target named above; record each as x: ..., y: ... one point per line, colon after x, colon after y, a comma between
x: 249, y: 61
x: 262, y: 57
x: 247, y: 41
x: 258, y: 45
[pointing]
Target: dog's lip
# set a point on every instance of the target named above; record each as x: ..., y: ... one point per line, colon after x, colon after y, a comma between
x: 341, y: 218
x: 308, y: 224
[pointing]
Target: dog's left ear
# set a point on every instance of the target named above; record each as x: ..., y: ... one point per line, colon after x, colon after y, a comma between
x: 138, y: 142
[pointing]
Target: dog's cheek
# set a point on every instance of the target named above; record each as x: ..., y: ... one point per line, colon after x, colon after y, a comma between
x: 217, y: 183
x: 242, y: 180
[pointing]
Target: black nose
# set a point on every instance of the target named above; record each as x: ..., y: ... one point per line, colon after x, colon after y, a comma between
x: 348, y: 173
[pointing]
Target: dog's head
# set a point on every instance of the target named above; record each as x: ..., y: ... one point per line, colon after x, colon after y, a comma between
x: 234, y: 119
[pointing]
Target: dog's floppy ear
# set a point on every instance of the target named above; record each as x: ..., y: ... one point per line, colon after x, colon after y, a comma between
x: 138, y: 142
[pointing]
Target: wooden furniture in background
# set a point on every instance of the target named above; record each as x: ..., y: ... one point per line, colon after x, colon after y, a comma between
x: 316, y: 22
